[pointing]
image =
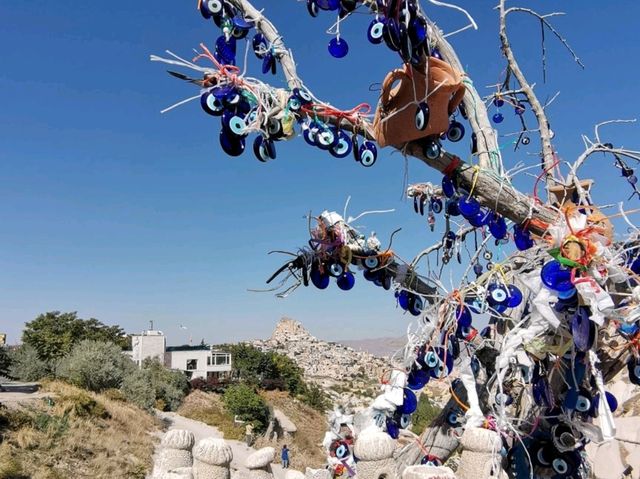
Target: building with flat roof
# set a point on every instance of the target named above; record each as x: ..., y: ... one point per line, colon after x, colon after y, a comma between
x: 200, y: 361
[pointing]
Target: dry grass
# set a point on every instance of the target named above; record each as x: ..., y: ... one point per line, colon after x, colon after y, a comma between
x: 209, y: 409
x: 305, y: 448
x: 80, y: 435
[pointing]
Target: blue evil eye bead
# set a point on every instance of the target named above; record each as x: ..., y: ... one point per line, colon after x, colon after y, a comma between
x: 634, y: 371
x: 422, y: 116
x: 611, y: 401
x: 338, y: 47
x: 212, y: 7
x: 448, y: 187
x: 241, y: 23
x: 231, y: 144
x: 226, y: 50
x: 376, y: 31
x: 404, y: 421
x: 239, y: 33
x: 274, y: 128
x: 319, y: 280
x: 416, y: 304
x: 235, y: 124
x: 294, y: 104
x: 628, y: 329
x: 466, y: 332
x: 543, y: 454
x: 435, y: 53
x: 371, y: 262
x: 455, y: 132
x: 430, y: 460
x: 480, y: 219
x: 583, y: 404
x: 519, y: 109
x: 393, y: 429
x: 453, y: 419
x: 418, y: 31
x: 515, y: 296
x: 309, y: 131
x: 403, y: 299
x: 468, y: 206
x: 391, y: 34
x: 503, y: 399
x: 497, y: 294
x: 556, y: 276
x: 368, y: 153
x: 522, y: 238
x: 268, y: 61
x: 372, y: 276
x: 328, y: 4
x: 336, y: 269
x: 303, y: 95
x: 497, y: 101
x: 326, y: 138
x: 346, y: 281
x: 211, y: 104
x: 431, y: 359
x: 582, y: 330
x: 409, y: 402
x: 312, y: 8
x: 498, y: 118
x: 436, y: 205
x: 477, y: 269
x: 451, y: 207
x: 417, y: 379
x: 260, y: 45
x: 343, y: 145
x: 264, y: 149
x: 347, y: 6
x: 498, y: 226
x: 463, y: 316
x: 432, y: 150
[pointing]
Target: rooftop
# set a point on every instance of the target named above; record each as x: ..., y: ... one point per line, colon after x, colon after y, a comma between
x: 186, y: 347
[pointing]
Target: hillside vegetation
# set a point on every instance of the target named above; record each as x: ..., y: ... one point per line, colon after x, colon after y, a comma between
x: 76, y: 434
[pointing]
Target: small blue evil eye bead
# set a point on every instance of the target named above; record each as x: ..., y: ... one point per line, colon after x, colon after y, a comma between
x: 453, y: 419
x: 368, y: 153
x: 346, y: 281
x: 477, y: 269
x: 268, y: 63
x: 498, y: 226
x: 405, y: 421
x: 231, y: 144
x: 417, y: 379
x: 498, y: 101
x: 456, y: 131
x: 260, y: 45
x: 435, y: 53
x: 393, y: 429
x: 497, y: 295
x: 463, y: 316
x: 264, y: 149
x: 234, y: 124
x: 448, y: 188
x: 212, y: 7
x: 376, y: 31
x: 432, y: 150
x: 338, y: 47
x: 522, y: 238
x: 416, y: 304
x: 336, y: 269
x: 343, y: 145
x: 409, y: 402
x: 403, y: 299
x: 309, y: 131
x: 498, y: 118
x: 326, y: 138
x: 328, y: 4
x: 451, y: 207
x: 302, y: 95
x: 436, y: 205
x: 431, y: 359
x: 422, y: 116
x: 515, y: 296
x: 226, y: 50
x: 274, y: 128
x: 418, y: 31
x: 312, y: 8
x: 468, y: 206
x: 294, y: 104
x: 211, y: 104
x: 634, y: 371
x: 519, y: 109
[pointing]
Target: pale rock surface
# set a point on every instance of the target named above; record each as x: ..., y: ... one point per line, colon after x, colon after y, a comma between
x: 180, y: 473
x: 478, y: 449
x: 606, y: 462
x: 212, y: 457
x: 317, y: 474
x: 374, y: 451
x: 292, y: 474
x: 175, y: 452
x: 428, y: 472
x: 287, y: 425
x: 259, y: 463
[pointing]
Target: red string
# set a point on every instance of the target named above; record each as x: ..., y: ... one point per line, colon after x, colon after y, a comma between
x: 352, y: 116
x: 451, y: 167
x: 542, y: 173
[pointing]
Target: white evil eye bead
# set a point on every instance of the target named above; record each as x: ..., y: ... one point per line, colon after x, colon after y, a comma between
x: 303, y: 95
x: 456, y: 131
x: 375, y: 32
x: 342, y: 451
x: 583, y: 404
x: 488, y: 255
x: 237, y: 126
x: 214, y: 6
x: 368, y: 154
x: 325, y: 139
x: 432, y: 151
x: 422, y: 116
x: 560, y: 466
x: 211, y: 104
x: 336, y: 270
x: 371, y: 262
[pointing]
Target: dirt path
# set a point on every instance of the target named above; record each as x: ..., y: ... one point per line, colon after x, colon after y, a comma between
x: 201, y: 430
x: 14, y: 393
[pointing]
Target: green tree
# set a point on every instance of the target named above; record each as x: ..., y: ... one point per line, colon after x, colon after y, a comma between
x: 26, y: 365
x: 5, y: 362
x: 243, y: 401
x: 169, y: 386
x: 95, y: 365
x: 315, y: 397
x: 137, y: 388
x: 53, y: 334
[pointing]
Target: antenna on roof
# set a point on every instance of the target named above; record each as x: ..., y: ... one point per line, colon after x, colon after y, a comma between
x: 151, y: 323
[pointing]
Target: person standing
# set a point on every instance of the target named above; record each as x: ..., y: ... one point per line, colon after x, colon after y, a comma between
x: 248, y: 433
x: 285, y: 457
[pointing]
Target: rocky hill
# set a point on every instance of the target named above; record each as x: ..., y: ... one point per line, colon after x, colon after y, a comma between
x: 349, y: 376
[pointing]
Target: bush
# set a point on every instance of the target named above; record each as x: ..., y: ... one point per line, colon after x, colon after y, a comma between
x: 137, y: 388
x: 169, y: 386
x: 424, y: 415
x: 95, y: 365
x: 244, y: 402
x: 5, y: 361
x: 26, y: 365
x: 315, y: 397
x: 212, y: 385
x: 81, y: 404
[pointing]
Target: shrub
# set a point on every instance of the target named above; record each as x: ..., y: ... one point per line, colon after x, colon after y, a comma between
x: 169, y: 385
x: 244, y: 402
x: 114, y: 395
x: 26, y: 365
x: 424, y: 415
x: 137, y: 389
x: 81, y: 404
x: 315, y: 397
x: 95, y: 365
x: 5, y: 361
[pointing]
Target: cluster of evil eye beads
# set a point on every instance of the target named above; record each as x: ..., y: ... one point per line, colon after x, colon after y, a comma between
x: 323, y: 270
x: 398, y: 23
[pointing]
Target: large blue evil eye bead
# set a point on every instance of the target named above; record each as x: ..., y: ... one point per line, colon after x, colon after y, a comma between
x: 409, y: 403
x: 231, y: 144
x: 338, y: 47
x: 468, y: 206
x: 422, y: 116
x: 522, y: 238
x: 448, y: 187
x: 226, y: 50
x: 456, y: 131
x: 343, y: 145
x: 234, y: 124
x: 326, y: 138
x: 328, y: 4
x: 418, y: 31
x: 312, y: 8
x: 376, y: 31
x: 346, y: 281
x: 415, y: 305
x: 498, y: 226
x: 463, y: 316
x: 451, y: 207
x: 481, y: 218
x: 319, y: 280
x: 497, y: 295
x: 556, y: 276
x: 403, y: 299
x: 417, y: 379
x: 368, y: 153
x: 211, y: 104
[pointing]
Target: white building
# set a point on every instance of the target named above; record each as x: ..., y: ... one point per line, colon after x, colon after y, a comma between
x: 200, y: 361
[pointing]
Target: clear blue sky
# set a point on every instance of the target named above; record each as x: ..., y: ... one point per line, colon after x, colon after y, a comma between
x: 126, y: 215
